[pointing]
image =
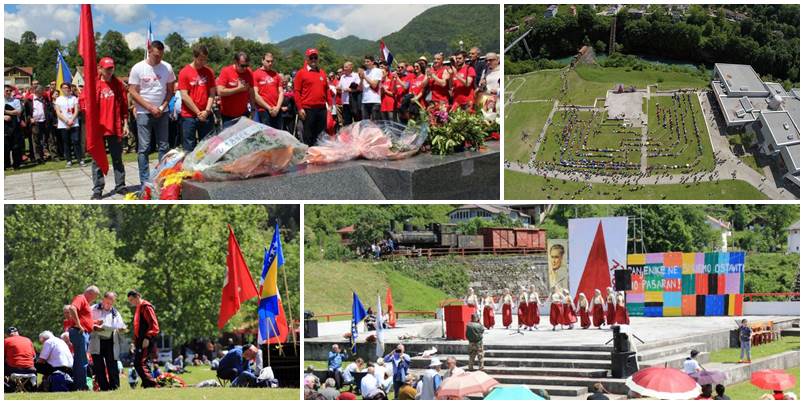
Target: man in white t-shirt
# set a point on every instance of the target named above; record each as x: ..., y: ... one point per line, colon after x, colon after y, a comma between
x: 369, y: 386
x: 371, y: 80
x: 350, y: 94
x: 151, y: 84
x: 66, y: 107
x: 55, y: 355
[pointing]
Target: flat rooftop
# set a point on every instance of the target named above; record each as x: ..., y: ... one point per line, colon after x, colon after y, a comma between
x: 781, y: 126
x: 793, y: 153
x: 739, y: 78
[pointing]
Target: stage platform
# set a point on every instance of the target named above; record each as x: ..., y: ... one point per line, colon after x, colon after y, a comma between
x: 652, y: 330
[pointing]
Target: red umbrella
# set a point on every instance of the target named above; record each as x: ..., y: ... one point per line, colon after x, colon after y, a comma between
x: 466, y: 383
x: 773, y: 379
x: 664, y: 384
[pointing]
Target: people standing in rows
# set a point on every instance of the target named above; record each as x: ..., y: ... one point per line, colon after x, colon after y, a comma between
x: 197, y: 88
x: 583, y: 311
x: 533, y: 308
x: 350, y: 94
x: 507, y: 304
x: 310, y: 93
x: 463, y: 83
x: 113, y: 124
x: 371, y: 81
x: 477, y: 64
x: 598, y: 316
x: 388, y: 97
x: 523, y: 317
x: 66, y: 107
x: 151, y: 85
x: 268, y: 93
x: 235, y: 86
x: 38, y: 123
x: 12, y: 132
x: 439, y: 76
x: 488, y: 312
x: 557, y: 308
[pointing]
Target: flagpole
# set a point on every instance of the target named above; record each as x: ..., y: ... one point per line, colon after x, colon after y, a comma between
x: 290, y: 309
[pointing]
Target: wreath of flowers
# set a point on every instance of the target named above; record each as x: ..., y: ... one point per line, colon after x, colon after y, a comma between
x: 170, y: 380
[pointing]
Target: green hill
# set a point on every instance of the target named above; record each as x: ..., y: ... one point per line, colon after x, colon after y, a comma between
x: 438, y: 29
x: 328, y: 287
x: 348, y: 46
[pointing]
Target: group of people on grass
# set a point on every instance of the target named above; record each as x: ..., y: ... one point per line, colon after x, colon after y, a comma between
x: 564, y: 312
x: 156, y: 109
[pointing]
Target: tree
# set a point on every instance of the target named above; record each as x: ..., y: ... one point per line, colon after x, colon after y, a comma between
x: 54, y: 252
x: 114, y: 45
x: 45, y: 66
x: 175, y: 42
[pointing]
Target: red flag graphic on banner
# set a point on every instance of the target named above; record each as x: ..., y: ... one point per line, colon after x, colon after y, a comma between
x: 596, y: 271
x: 86, y: 48
x: 389, y: 302
x: 239, y: 285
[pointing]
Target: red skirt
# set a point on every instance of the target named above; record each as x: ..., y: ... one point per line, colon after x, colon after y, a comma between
x: 569, y: 315
x: 522, y: 315
x: 598, y: 318
x: 621, y: 316
x: 610, y: 313
x: 506, y: 314
x: 533, y: 313
x: 583, y: 314
x: 488, y: 317
x: 556, y: 314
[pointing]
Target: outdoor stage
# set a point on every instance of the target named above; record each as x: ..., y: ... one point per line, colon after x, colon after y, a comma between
x: 649, y: 329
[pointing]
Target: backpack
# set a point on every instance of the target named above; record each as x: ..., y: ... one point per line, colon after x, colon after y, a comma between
x: 60, y: 381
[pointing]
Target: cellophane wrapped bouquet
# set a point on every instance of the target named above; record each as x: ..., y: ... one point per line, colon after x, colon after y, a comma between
x: 371, y: 140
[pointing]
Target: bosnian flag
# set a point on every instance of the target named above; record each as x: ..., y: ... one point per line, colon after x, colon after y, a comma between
x: 149, y: 37
x: 386, y: 53
x: 273, y: 326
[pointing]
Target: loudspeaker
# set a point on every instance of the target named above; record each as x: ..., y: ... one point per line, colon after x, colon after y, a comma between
x: 310, y: 328
x: 623, y: 364
x: 622, y: 280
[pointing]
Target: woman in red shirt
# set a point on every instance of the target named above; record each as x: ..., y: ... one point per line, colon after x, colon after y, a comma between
x: 387, y: 101
x: 420, y: 83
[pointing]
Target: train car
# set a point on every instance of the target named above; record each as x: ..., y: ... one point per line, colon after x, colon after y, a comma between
x: 445, y: 235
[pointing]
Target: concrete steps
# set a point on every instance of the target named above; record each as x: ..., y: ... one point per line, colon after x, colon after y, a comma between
x: 674, y: 361
x: 563, y: 348
x: 678, y: 349
x: 582, y: 384
x: 498, y: 353
x: 422, y: 363
x: 791, y: 332
x: 564, y: 372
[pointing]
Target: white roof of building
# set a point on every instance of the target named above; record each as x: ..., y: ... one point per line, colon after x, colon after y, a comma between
x: 781, y: 127
x: 717, y: 222
x: 793, y: 153
x: 740, y: 78
x: 795, y: 226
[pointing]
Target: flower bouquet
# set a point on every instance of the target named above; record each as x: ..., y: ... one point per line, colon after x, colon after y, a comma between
x: 170, y: 380
x: 244, y: 150
x: 455, y: 131
x: 372, y: 140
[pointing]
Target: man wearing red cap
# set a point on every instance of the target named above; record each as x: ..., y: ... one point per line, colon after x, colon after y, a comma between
x: 235, y: 84
x: 268, y: 92
x: 310, y: 88
x: 113, y: 119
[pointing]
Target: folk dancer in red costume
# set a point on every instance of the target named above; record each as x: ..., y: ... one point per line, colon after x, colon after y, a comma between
x: 569, y: 311
x: 611, y: 303
x: 533, y: 307
x: 523, y: 320
x: 583, y: 311
x: 488, y: 312
x: 473, y: 301
x: 507, y: 304
x: 598, y: 317
x: 621, y: 316
x: 556, y: 308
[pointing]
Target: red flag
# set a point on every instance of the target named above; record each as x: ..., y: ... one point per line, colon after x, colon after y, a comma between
x: 282, y: 325
x: 239, y: 285
x: 86, y: 48
x: 389, y: 302
x: 596, y: 272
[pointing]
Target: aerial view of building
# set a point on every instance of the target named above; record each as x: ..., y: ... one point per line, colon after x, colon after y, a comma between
x: 652, y: 102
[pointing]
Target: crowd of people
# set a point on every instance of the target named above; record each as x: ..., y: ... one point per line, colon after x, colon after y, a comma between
x: 156, y: 110
x: 564, y: 312
x: 90, y: 353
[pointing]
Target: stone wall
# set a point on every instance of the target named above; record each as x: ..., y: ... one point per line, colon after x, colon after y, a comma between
x: 490, y: 273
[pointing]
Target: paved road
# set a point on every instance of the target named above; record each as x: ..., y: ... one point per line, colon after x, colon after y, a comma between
x: 65, y: 184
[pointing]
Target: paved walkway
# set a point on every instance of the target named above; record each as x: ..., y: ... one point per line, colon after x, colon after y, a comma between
x: 65, y: 184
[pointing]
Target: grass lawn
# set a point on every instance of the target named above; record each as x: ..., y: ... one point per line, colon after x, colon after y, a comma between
x: 540, y: 85
x: 328, y: 287
x: 751, y: 161
x: 525, y: 186
x: 639, y: 78
x: 670, y: 143
x: 196, y: 375
x: 785, y: 344
x: 528, y: 117
x: 61, y: 165
x: 747, y: 391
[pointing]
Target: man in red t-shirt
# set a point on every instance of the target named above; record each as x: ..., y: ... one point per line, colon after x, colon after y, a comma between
x: 310, y: 94
x: 235, y: 84
x: 146, y: 328
x: 268, y: 93
x: 439, y: 76
x: 113, y: 117
x: 197, y: 89
x: 463, y: 83
x: 18, y: 354
x: 79, y: 324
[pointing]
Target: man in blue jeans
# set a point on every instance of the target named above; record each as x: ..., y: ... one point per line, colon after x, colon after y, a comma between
x: 234, y: 366
x: 400, y: 361
x: 79, y: 324
x: 197, y: 88
x: 151, y: 84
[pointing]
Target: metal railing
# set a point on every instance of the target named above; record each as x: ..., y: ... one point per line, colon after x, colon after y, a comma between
x: 790, y: 295
x: 442, y: 251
